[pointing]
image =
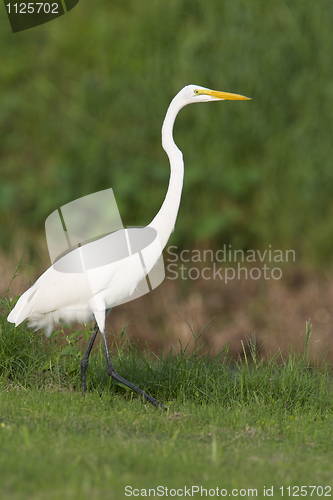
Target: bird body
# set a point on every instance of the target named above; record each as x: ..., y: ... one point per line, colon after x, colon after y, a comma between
x: 69, y: 297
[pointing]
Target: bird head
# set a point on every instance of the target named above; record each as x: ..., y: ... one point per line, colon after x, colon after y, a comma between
x: 195, y: 93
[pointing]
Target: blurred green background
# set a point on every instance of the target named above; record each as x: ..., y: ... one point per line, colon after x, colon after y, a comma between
x: 82, y: 100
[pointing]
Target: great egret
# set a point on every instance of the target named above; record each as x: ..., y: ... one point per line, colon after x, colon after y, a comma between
x: 58, y: 296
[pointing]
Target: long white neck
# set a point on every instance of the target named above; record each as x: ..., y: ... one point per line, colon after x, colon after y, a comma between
x: 164, y: 221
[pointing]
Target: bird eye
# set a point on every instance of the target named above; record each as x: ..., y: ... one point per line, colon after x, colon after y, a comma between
x: 196, y: 91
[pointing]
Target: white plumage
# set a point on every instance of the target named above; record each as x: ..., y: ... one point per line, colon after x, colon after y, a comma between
x: 79, y: 297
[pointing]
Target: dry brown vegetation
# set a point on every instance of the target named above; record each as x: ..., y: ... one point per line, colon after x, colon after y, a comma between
x: 276, y: 311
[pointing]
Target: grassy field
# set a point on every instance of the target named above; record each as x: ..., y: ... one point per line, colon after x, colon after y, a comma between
x: 56, y: 445
x: 247, y: 426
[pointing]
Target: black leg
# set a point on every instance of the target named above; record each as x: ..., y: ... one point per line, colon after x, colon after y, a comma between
x: 112, y: 372
x: 85, y: 359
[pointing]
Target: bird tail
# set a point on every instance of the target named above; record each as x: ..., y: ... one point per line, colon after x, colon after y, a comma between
x: 22, y: 308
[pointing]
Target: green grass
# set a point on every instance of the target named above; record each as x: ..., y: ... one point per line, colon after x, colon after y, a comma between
x: 247, y: 425
x: 56, y: 445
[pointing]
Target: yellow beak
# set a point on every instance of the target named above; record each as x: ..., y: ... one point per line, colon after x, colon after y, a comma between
x: 225, y: 95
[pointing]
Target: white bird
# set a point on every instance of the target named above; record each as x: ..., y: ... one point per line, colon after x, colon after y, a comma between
x: 81, y: 297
